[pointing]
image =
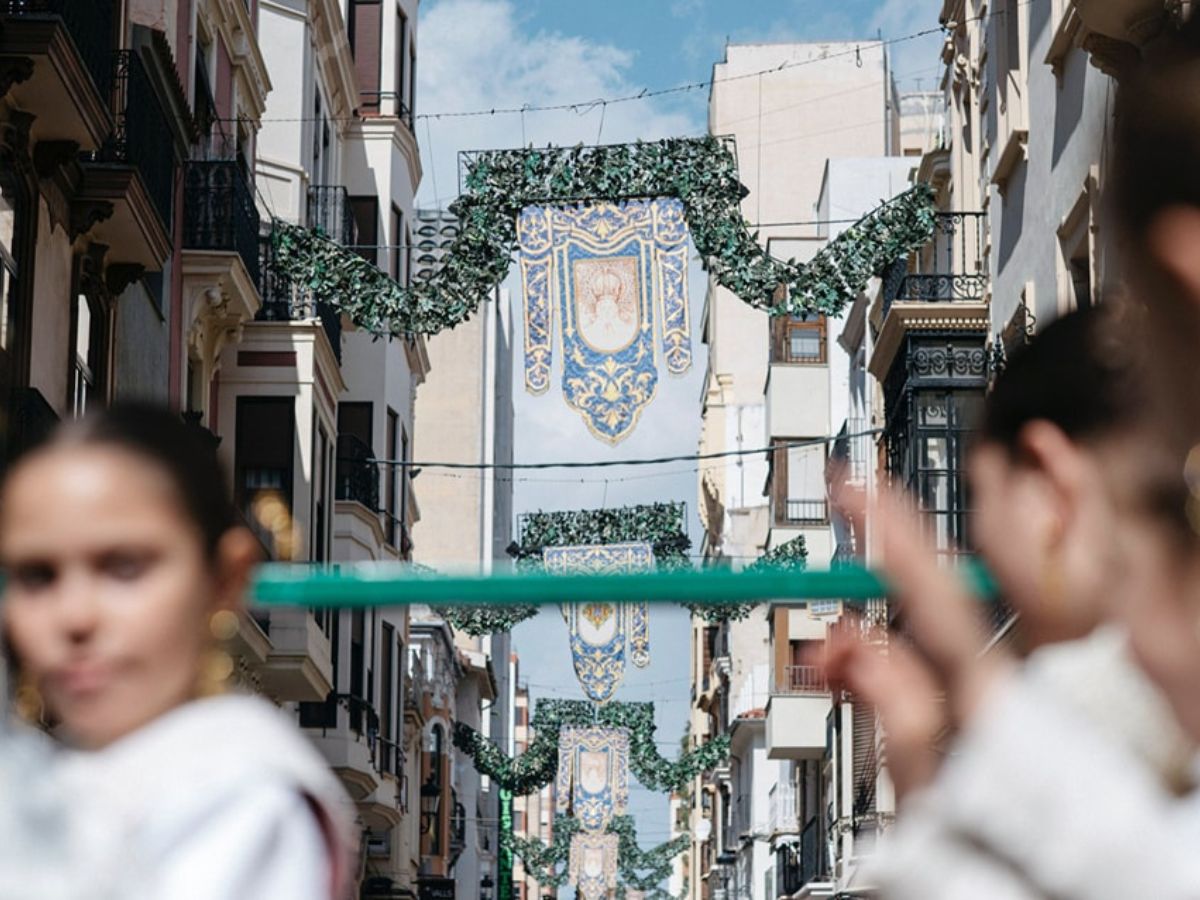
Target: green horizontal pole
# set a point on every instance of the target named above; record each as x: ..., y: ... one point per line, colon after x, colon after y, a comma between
x: 400, y: 585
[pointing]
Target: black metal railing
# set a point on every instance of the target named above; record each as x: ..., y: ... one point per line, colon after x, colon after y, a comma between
x: 219, y: 212
x: 811, y: 857
x: 357, y: 472
x: 950, y: 268
x: 142, y: 136
x: 89, y: 23
x: 284, y: 301
x: 329, y: 212
x: 806, y: 511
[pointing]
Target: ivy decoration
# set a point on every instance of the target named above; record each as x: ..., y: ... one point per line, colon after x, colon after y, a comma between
x: 662, y: 525
x: 700, y: 172
x: 790, y: 556
x: 482, y: 620
x: 642, y: 870
x: 538, y: 764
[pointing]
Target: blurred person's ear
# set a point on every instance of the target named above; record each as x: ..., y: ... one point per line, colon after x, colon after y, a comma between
x: 237, y: 554
x: 1043, y: 446
x: 1174, y: 240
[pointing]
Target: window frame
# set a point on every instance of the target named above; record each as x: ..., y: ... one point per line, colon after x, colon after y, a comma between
x: 781, y: 334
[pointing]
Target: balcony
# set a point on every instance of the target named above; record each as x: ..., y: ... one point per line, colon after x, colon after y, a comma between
x: 357, y: 472
x: 134, y: 170
x: 298, y: 665
x: 329, y: 213
x: 796, y: 715
x: 805, y: 512
x: 219, y: 213
x: 802, y: 680
x: 63, y: 48
x: 942, y: 286
x: 783, y: 809
x: 283, y: 301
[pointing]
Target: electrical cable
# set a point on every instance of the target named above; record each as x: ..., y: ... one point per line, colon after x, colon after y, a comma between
x: 609, y: 463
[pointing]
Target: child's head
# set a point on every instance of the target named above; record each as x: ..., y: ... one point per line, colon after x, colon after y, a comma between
x: 1053, y: 439
x: 119, y: 544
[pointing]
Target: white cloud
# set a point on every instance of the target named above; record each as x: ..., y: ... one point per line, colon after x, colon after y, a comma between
x: 480, y: 54
x: 916, y: 58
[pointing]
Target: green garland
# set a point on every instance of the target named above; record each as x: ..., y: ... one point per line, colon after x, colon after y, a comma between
x: 659, y: 524
x: 537, y: 766
x: 481, y: 620
x: 790, y: 555
x: 643, y: 870
x: 701, y: 172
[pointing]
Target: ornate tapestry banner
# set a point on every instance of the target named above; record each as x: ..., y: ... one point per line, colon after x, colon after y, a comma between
x: 593, y: 774
x: 593, y: 865
x: 600, y: 631
x: 609, y: 269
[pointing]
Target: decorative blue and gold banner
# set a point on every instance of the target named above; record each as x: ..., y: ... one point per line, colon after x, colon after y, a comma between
x: 592, y: 867
x: 593, y: 774
x: 611, y: 270
x: 599, y: 632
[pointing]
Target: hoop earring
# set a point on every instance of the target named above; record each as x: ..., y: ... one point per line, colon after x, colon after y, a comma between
x: 28, y: 703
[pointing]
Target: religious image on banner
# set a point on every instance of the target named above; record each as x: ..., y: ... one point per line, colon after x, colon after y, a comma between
x: 614, y: 274
x: 592, y: 866
x: 600, y: 632
x: 593, y: 774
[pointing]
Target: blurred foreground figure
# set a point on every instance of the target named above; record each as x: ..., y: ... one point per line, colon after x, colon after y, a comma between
x: 1042, y: 797
x: 125, y: 570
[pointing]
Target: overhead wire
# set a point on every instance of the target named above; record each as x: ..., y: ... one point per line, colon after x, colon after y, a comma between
x: 584, y: 106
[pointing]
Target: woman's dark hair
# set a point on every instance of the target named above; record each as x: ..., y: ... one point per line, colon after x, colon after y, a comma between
x: 1074, y: 374
x: 185, y: 452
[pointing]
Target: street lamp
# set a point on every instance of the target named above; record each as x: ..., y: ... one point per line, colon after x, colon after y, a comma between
x: 485, y: 887
x: 431, y: 799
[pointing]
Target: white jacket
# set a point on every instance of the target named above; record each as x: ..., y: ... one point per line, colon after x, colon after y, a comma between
x: 1056, y: 791
x: 220, y: 799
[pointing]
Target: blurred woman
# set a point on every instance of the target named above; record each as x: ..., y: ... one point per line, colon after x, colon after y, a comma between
x: 125, y: 569
x: 1055, y: 488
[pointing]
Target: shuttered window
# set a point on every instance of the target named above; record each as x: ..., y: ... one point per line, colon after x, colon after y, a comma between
x: 366, y: 33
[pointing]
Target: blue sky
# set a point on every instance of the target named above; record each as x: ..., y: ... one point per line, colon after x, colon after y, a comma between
x: 484, y: 54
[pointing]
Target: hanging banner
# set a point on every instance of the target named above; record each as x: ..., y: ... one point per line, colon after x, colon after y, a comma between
x: 611, y: 270
x: 600, y: 632
x: 593, y: 775
x: 593, y: 865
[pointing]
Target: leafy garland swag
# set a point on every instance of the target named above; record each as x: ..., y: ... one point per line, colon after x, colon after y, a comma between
x: 659, y: 524
x: 701, y: 172
x: 537, y: 766
x: 642, y: 870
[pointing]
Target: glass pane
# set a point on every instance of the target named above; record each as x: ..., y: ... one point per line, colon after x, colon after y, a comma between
x: 935, y: 453
x: 804, y: 344
x: 931, y: 409
x: 83, y: 331
x: 8, y: 226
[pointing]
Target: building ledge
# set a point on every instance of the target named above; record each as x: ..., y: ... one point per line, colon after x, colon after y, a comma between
x: 60, y: 91
x: 1011, y: 154
x: 904, y: 317
x: 135, y: 232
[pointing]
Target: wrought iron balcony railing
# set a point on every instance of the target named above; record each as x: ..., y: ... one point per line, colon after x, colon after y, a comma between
x: 385, y: 103
x: 219, y: 212
x: 357, y: 472
x: 806, y: 512
x: 284, y: 301
x: 329, y: 212
x: 90, y: 25
x: 811, y: 856
x: 802, y: 680
x: 951, y: 268
x: 142, y: 136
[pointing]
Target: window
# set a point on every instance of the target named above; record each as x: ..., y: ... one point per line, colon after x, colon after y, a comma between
x: 798, y: 480
x: 404, y: 478
x: 357, y: 477
x: 398, y: 243
x: 389, y: 477
x: 366, y: 220
x: 365, y: 27
x: 85, y: 369
x: 799, y: 339
x: 944, y: 419
x: 11, y: 223
x: 263, y: 469
x: 401, y: 55
x: 320, y: 496
x: 358, y: 662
